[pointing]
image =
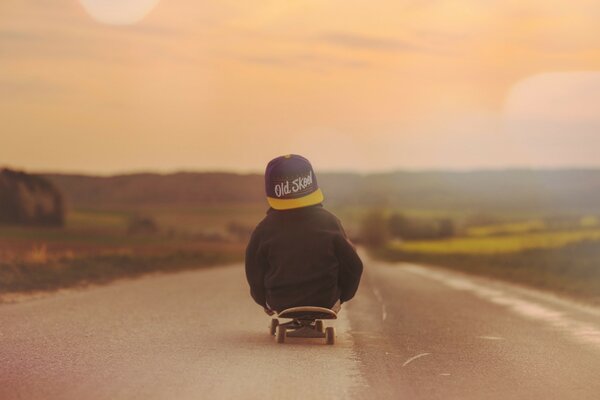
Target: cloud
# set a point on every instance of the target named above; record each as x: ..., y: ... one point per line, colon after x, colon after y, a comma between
x: 16, y: 36
x: 359, y: 41
x: 147, y: 29
x: 305, y: 60
x: 444, y: 38
x: 92, y: 43
x: 28, y: 87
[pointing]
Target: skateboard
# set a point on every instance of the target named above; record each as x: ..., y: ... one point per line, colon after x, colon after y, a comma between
x: 306, y: 322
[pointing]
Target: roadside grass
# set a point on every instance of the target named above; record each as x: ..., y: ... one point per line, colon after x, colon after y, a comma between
x: 69, y: 236
x: 33, y: 275
x: 572, y: 269
x: 496, y: 244
x: 95, y: 246
x: 559, y: 253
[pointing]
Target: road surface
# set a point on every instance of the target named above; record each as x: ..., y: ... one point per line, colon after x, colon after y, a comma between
x: 411, y: 333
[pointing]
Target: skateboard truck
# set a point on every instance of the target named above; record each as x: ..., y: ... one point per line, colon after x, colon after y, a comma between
x: 306, y: 322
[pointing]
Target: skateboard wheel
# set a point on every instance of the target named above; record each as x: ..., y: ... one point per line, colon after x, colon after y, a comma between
x: 319, y: 326
x: 274, y: 324
x: 330, y: 335
x: 280, y: 334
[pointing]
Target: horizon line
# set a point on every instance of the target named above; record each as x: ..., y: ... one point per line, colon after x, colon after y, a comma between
x: 233, y: 171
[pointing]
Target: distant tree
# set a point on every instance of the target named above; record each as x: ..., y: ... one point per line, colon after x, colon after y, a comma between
x: 142, y: 225
x: 445, y: 228
x: 29, y: 200
x: 401, y: 227
x: 480, y: 219
x: 374, y: 229
x: 239, y: 230
x: 398, y: 225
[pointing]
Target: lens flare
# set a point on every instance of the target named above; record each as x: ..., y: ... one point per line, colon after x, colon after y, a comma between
x: 118, y: 12
x: 569, y: 97
x: 554, y: 116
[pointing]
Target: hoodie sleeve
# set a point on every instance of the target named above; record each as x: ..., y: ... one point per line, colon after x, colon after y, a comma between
x: 351, y: 266
x: 256, y: 266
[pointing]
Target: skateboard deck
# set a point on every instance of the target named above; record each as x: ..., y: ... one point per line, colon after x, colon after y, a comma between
x: 306, y: 322
x: 308, y: 313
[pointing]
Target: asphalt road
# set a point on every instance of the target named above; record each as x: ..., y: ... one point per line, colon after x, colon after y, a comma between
x: 412, y: 332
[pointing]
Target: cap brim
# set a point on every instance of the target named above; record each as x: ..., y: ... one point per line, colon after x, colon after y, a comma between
x: 315, y: 197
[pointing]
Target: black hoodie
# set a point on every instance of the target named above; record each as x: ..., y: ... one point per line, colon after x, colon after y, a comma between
x: 301, y: 257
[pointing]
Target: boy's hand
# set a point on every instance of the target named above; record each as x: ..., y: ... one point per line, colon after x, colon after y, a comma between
x: 268, y: 311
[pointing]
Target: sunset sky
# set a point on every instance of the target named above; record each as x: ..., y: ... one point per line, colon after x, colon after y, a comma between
x: 107, y: 86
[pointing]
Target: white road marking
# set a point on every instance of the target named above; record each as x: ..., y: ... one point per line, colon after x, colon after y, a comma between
x: 445, y: 374
x: 377, y: 294
x: 379, y: 297
x: 583, y: 332
x: 414, y: 358
x: 491, y: 337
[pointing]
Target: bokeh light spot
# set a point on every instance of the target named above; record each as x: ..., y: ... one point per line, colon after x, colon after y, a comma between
x: 118, y: 12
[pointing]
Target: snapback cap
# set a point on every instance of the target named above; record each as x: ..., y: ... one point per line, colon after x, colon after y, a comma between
x: 290, y: 182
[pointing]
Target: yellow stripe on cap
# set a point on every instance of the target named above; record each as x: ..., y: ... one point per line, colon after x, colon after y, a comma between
x: 315, y: 197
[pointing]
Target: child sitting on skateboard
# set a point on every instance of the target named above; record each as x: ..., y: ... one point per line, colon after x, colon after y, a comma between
x: 299, y: 254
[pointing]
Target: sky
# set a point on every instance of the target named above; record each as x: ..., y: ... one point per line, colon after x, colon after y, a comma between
x: 112, y: 86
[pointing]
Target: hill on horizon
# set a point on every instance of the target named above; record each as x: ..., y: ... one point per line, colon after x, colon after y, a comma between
x: 518, y: 190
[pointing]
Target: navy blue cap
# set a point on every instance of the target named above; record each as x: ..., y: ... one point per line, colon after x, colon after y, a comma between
x: 290, y: 182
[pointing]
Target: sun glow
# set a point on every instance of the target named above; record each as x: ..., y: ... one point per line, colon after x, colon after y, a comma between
x: 118, y: 12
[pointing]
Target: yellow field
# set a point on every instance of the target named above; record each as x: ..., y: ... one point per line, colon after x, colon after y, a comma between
x: 527, y: 226
x: 499, y: 244
x: 507, y: 228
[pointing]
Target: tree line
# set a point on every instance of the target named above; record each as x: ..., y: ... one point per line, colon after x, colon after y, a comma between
x: 377, y: 228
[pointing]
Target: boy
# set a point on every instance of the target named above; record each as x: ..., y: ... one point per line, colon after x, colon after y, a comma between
x: 299, y: 254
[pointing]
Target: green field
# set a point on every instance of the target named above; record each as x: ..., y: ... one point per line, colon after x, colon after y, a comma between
x: 96, y: 245
x: 561, y: 255
x: 190, y: 219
